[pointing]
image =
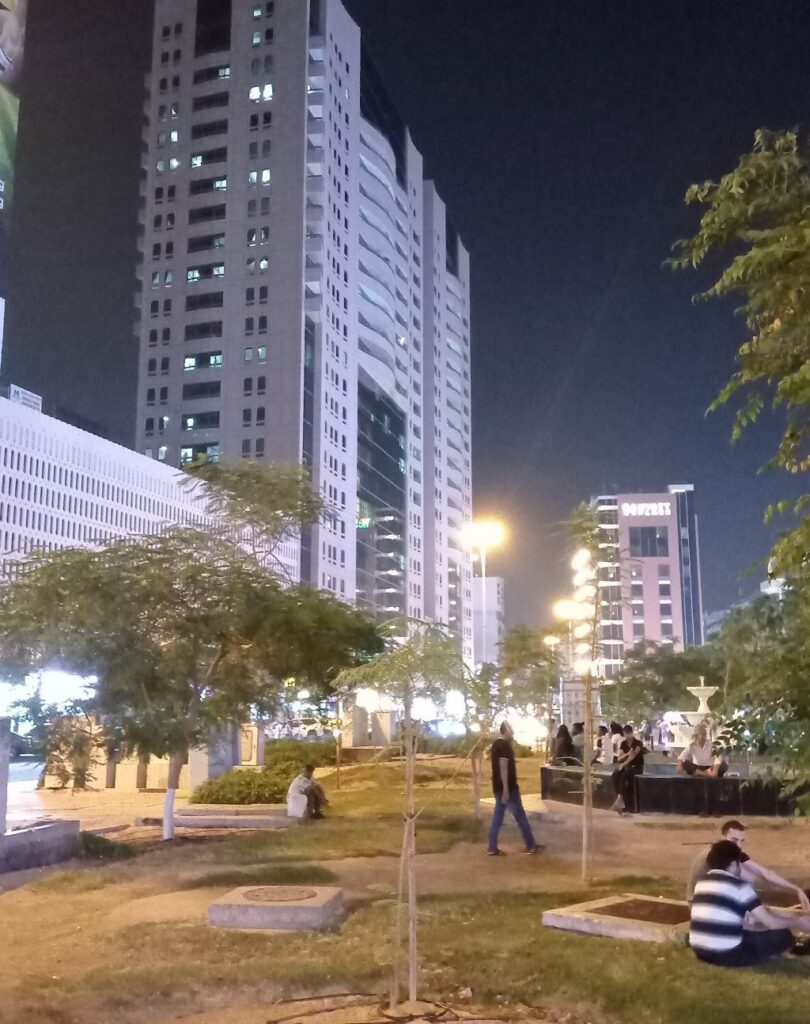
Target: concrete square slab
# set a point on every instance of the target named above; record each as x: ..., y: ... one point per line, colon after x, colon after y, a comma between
x: 282, y: 907
x: 625, y: 916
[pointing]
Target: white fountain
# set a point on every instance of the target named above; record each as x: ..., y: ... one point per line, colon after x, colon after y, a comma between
x: 683, y: 727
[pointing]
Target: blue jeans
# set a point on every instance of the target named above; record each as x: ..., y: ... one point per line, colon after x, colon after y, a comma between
x: 755, y: 948
x: 515, y: 805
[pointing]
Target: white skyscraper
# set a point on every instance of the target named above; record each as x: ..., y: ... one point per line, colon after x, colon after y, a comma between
x: 304, y: 297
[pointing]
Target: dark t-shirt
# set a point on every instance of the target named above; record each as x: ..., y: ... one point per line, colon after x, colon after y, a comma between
x: 503, y: 748
x: 637, y: 764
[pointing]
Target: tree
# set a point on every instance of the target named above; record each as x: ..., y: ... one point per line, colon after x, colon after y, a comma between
x: 261, y: 505
x: 759, y: 213
x: 531, y: 665
x: 654, y: 680
x: 185, y: 631
x: 427, y: 664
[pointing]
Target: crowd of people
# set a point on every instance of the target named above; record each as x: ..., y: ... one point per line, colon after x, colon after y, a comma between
x: 621, y: 749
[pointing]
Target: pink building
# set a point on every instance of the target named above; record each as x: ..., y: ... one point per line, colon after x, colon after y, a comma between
x: 649, y: 582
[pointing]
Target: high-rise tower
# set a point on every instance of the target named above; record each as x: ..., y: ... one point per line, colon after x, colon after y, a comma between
x: 304, y: 297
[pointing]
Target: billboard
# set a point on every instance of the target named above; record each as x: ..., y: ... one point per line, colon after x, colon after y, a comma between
x: 12, y: 46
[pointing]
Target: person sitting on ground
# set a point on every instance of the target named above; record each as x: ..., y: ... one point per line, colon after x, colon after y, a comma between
x: 629, y: 765
x: 563, y: 745
x: 699, y: 758
x: 729, y: 926
x: 578, y: 740
x: 750, y: 871
x: 305, y: 797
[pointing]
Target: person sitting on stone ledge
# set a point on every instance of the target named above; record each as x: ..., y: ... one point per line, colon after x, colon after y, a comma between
x: 699, y: 759
x: 729, y: 926
x: 305, y: 797
x: 750, y: 871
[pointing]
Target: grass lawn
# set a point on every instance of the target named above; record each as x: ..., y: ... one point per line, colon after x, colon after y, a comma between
x: 73, y: 961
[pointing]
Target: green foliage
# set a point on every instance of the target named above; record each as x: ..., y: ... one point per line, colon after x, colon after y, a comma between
x: 267, y: 504
x: 318, y: 753
x: 759, y: 215
x: 94, y: 847
x: 243, y: 787
x: 654, y: 680
x: 531, y: 666
x: 72, y: 748
x: 427, y: 664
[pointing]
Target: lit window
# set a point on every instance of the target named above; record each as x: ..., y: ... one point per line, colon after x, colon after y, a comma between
x: 251, y: 236
x: 160, y: 166
x: 267, y: 91
x: 174, y: 136
x: 253, y: 177
x: 156, y: 279
x: 174, y: 163
x: 264, y: 265
x: 248, y: 355
x: 192, y: 275
x: 261, y: 351
x: 257, y: 39
x: 266, y: 176
x: 255, y: 93
x: 169, y: 278
x: 197, y: 160
x: 220, y: 184
x: 257, y: 10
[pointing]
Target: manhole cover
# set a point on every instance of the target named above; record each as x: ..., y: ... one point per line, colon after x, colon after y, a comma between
x: 280, y: 894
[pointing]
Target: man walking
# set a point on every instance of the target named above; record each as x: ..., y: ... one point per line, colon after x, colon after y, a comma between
x: 507, y: 794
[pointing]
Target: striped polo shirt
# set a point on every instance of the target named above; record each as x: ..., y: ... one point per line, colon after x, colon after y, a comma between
x: 719, y: 906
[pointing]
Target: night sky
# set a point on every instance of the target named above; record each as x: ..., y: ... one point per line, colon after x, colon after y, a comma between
x: 563, y: 136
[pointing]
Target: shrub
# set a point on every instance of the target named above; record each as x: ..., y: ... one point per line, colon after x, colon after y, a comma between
x: 238, y: 787
x: 297, y: 753
x: 94, y: 847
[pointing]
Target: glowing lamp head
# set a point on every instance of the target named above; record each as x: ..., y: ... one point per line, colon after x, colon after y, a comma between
x: 581, y: 560
x: 483, y: 533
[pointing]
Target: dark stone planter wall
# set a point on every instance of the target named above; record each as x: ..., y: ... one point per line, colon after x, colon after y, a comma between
x: 671, y: 794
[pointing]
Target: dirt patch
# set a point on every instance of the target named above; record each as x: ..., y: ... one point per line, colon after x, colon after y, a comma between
x: 647, y: 910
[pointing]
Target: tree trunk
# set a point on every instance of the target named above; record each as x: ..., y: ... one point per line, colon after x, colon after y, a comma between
x: 413, y: 963
x: 338, y: 747
x: 475, y: 762
x: 587, y: 782
x: 175, y: 767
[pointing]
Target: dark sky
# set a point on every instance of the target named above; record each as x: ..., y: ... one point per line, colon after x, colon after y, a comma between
x: 562, y: 135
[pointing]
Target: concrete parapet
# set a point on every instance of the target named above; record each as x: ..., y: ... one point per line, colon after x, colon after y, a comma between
x: 46, y: 842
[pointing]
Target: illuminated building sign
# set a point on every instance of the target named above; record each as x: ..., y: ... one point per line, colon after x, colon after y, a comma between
x: 646, y: 508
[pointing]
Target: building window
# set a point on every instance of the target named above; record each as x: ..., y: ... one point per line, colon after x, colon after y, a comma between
x: 259, y: 447
x: 649, y: 542
x: 249, y: 325
x: 260, y: 416
x: 203, y: 361
x: 151, y: 367
x: 247, y: 417
x: 247, y: 386
x: 149, y: 426
x: 261, y: 385
x: 250, y: 296
x: 246, y: 449
x: 150, y: 396
x: 248, y: 355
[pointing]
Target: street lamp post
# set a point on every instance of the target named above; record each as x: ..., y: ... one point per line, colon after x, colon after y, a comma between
x: 481, y: 535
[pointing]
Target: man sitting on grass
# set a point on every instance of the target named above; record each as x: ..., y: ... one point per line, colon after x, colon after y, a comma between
x: 729, y: 926
x: 305, y: 797
x: 750, y: 871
